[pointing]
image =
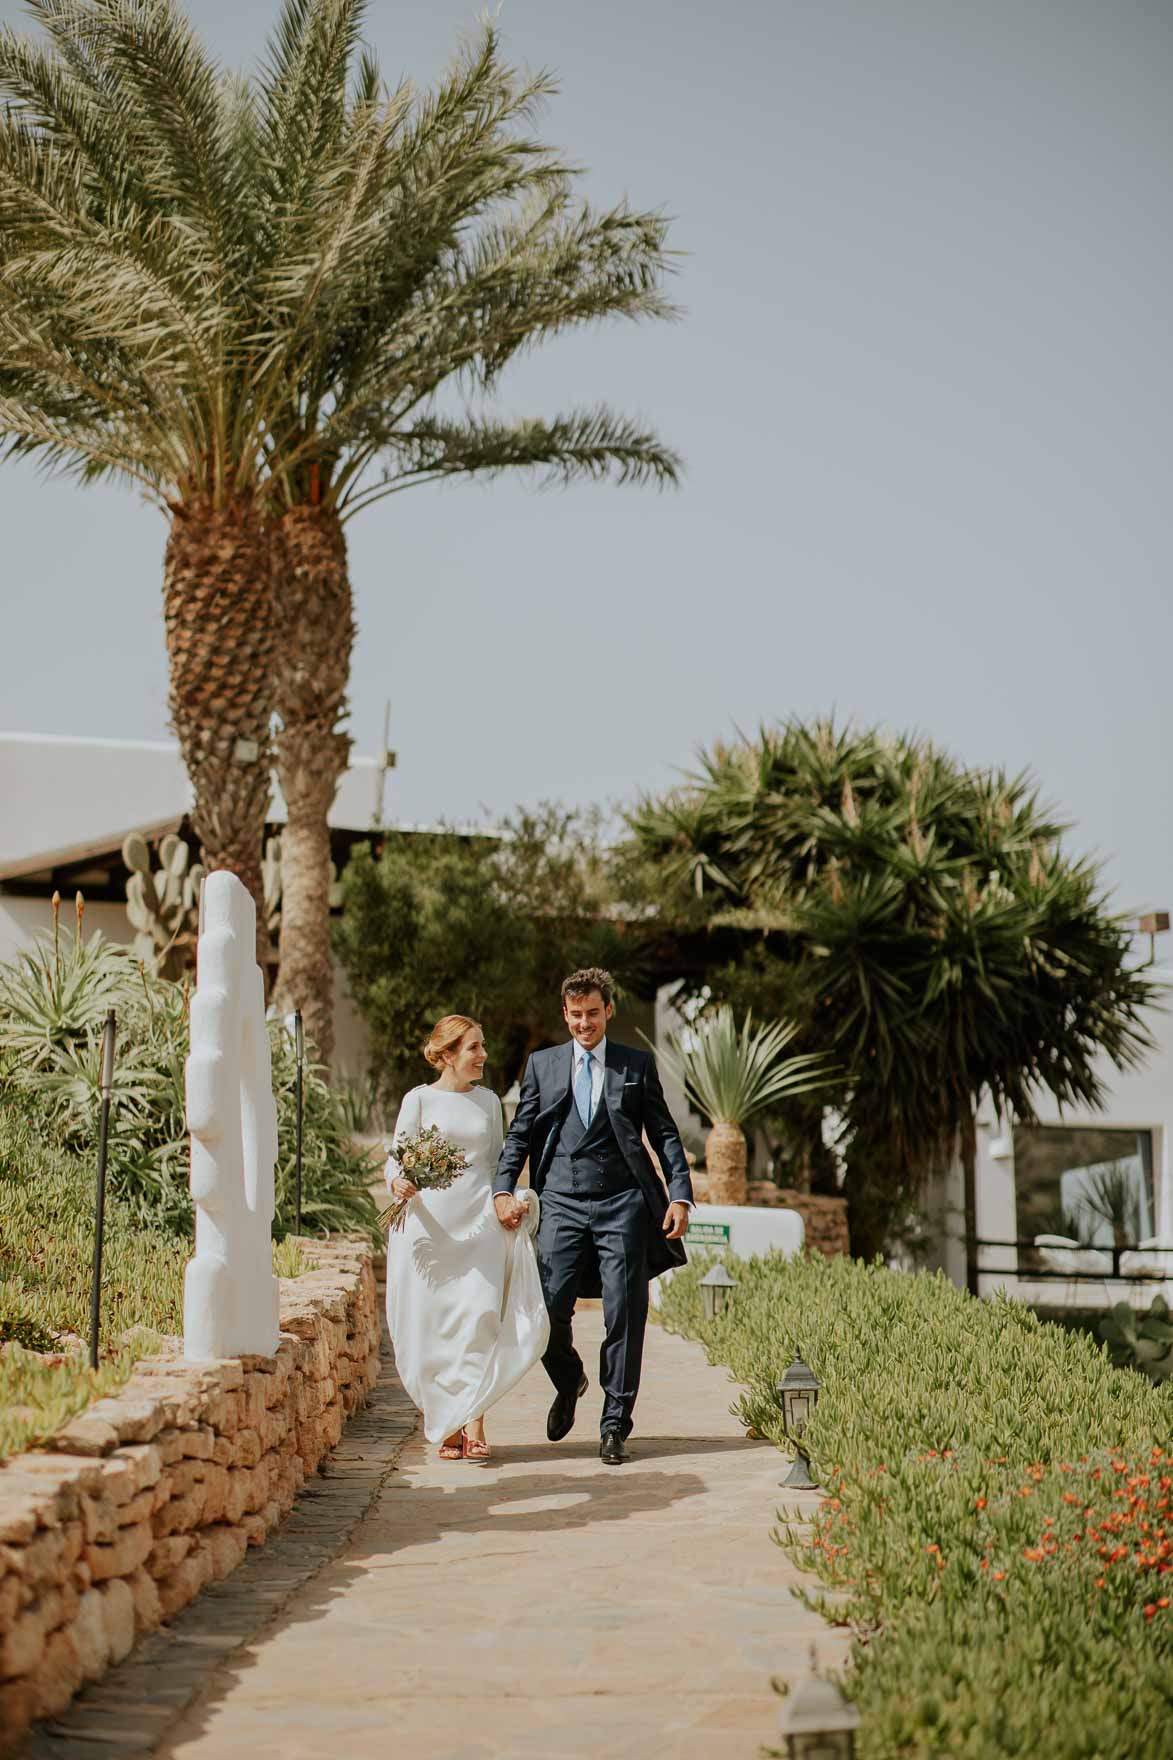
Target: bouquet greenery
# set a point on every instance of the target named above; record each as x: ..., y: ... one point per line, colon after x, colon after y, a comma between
x: 430, y: 1162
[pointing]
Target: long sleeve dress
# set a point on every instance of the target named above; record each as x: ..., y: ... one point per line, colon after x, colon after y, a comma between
x: 464, y: 1299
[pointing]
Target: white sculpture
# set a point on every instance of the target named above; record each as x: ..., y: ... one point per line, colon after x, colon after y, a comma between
x: 230, y: 1305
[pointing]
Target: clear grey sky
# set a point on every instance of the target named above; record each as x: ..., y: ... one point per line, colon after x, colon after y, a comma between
x: 924, y: 389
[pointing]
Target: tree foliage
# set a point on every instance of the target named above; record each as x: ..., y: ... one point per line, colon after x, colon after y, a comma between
x: 922, y: 919
x: 481, y: 924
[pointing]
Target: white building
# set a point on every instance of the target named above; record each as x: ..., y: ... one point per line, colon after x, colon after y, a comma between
x: 1044, y: 1186
x: 66, y: 806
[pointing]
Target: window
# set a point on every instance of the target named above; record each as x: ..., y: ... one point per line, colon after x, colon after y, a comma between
x: 1093, y: 1186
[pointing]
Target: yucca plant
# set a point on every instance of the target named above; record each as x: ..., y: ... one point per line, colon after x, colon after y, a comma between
x: 1111, y: 1196
x: 939, y: 941
x: 730, y: 1074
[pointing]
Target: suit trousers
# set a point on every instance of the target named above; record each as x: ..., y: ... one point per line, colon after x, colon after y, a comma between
x: 614, y: 1227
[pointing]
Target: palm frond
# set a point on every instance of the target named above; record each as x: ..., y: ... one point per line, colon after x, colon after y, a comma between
x: 731, y: 1074
x: 593, y: 444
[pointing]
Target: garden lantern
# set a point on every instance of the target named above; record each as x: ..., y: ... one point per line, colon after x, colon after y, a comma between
x: 798, y: 1392
x: 817, y: 1722
x: 716, y: 1288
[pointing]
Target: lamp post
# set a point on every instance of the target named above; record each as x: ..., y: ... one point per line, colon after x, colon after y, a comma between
x: 299, y: 1038
x: 106, y: 1086
x: 716, y: 1288
x: 817, y: 1722
x: 798, y: 1392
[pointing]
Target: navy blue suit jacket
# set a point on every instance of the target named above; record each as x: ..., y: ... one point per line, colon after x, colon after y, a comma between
x: 635, y: 1104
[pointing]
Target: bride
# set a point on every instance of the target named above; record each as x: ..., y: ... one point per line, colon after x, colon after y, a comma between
x: 464, y: 1300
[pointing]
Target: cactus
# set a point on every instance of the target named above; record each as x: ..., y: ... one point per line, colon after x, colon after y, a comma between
x: 271, y: 877
x: 1143, y: 1342
x: 163, y: 904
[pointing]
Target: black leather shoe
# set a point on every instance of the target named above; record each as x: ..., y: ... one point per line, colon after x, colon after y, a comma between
x: 560, y: 1420
x: 611, y: 1449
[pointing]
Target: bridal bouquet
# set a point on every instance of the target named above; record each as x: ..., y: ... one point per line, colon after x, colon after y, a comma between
x: 430, y: 1162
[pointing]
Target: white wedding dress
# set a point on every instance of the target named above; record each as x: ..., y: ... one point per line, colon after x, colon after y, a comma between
x: 464, y: 1299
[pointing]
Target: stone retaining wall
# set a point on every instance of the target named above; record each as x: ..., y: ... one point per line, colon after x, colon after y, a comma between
x: 154, y: 1492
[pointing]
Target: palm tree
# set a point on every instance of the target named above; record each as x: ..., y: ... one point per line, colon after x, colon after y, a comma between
x: 124, y: 338
x: 394, y: 244
x: 475, y: 253
x: 730, y: 1075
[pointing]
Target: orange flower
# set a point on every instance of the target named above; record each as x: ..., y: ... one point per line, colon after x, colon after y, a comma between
x: 998, y: 1575
x: 980, y: 1503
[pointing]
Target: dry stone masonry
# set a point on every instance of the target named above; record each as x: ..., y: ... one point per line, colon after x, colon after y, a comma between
x: 152, y: 1493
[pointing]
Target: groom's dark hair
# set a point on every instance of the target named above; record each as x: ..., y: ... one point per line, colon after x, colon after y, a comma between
x: 590, y: 978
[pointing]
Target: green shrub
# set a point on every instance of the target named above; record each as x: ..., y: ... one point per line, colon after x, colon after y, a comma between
x: 53, y: 1002
x: 996, y: 1525
x: 46, y: 1270
x: 1141, y: 1341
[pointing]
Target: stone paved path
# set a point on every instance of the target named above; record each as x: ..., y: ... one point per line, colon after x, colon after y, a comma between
x: 543, y: 1606
x: 132, y: 1708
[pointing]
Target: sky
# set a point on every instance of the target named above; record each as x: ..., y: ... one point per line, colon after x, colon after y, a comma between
x: 922, y: 386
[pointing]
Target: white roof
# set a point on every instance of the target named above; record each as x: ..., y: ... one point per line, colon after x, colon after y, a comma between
x: 58, y: 792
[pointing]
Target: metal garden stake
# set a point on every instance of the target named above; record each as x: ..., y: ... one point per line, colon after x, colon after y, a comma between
x: 106, y: 1082
x: 299, y: 1037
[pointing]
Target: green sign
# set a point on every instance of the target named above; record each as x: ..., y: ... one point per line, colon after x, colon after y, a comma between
x: 709, y: 1234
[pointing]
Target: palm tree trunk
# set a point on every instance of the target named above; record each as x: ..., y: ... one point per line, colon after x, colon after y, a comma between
x: 221, y: 646
x: 725, y: 1163
x: 316, y: 619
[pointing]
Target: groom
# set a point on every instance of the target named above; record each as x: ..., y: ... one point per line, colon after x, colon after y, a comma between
x: 580, y: 1120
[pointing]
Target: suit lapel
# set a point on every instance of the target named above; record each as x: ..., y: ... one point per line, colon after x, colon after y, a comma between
x: 613, y: 1082
x: 563, y: 1074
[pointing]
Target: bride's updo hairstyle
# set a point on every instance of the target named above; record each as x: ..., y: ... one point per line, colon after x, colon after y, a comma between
x: 446, y: 1036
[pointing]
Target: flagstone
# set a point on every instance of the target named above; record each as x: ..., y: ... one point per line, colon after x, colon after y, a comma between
x: 544, y: 1605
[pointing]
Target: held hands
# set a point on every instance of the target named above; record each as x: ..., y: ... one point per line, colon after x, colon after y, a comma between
x: 403, y: 1188
x: 509, y: 1211
x: 676, y: 1221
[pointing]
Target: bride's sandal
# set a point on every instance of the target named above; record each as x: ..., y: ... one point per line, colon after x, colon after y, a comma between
x: 452, y: 1447
x: 475, y: 1451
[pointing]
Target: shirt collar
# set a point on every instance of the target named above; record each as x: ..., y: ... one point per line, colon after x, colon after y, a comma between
x: 600, y: 1051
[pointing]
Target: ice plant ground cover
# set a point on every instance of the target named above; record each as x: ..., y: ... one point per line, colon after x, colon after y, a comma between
x: 996, y: 1523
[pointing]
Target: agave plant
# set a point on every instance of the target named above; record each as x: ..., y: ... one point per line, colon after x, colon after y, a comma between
x: 730, y: 1074
x: 52, y: 1005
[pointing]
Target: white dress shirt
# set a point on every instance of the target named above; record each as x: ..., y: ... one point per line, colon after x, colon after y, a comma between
x: 598, y: 1057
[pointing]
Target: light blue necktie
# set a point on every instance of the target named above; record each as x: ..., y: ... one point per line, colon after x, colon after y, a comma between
x: 582, y: 1089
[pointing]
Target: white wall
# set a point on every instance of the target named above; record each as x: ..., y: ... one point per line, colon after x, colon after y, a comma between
x: 23, y: 919
x: 1140, y: 1099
